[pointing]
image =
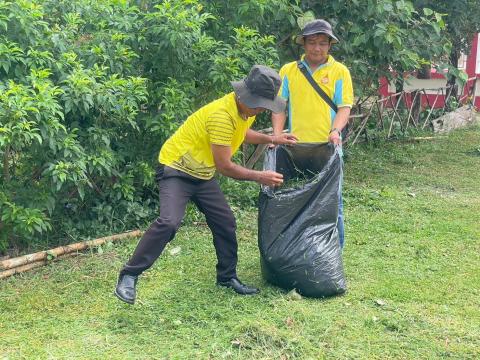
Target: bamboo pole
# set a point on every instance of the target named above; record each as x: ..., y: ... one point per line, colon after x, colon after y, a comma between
x: 364, y: 122
x: 30, y: 266
x: 62, y: 250
x: 431, y: 110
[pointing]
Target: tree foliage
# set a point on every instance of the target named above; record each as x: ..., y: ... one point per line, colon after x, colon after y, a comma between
x: 462, y: 19
x: 381, y: 38
x: 66, y: 110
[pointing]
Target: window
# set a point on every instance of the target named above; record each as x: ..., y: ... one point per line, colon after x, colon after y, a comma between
x: 462, y: 61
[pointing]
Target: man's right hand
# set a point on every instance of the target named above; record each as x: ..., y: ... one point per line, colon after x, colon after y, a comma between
x: 222, y: 157
x: 270, y: 178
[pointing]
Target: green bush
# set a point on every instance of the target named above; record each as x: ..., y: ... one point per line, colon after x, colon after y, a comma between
x: 89, y: 91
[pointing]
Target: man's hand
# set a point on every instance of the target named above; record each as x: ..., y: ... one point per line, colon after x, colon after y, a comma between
x: 340, y: 121
x: 284, y: 139
x: 222, y: 157
x: 270, y: 178
x: 334, y: 137
x: 255, y: 137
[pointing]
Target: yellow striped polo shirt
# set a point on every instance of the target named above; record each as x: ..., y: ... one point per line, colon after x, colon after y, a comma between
x: 309, y: 116
x: 189, y: 148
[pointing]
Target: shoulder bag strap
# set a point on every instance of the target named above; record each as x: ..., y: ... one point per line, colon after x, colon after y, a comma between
x: 319, y: 90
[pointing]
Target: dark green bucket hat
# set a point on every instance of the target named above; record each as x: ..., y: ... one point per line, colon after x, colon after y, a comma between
x: 318, y: 26
x: 260, y: 89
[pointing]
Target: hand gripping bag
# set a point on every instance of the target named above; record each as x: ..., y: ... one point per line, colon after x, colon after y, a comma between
x: 297, y: 225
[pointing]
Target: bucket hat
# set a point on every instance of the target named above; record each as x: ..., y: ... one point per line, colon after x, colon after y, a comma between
x: 318, y: 26
x: 260, y: 89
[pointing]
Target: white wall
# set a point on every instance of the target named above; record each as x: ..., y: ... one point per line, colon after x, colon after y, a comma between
x: 412, y: 83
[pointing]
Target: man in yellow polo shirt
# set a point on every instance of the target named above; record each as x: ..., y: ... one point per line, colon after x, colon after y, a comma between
x: 203, y: 144
x: 310, y: 118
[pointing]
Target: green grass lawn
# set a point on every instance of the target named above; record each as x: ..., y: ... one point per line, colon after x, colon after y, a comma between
x: 412, y: 262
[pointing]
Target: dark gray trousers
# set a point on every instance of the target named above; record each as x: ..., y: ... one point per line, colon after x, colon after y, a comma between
x: 176, y: 189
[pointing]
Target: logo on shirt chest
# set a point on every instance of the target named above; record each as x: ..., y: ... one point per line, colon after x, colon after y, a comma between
x: 324, y: 80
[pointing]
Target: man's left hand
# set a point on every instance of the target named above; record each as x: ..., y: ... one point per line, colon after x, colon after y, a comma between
x: 335, y: 138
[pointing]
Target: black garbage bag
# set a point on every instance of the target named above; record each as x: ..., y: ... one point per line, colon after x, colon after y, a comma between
x: 298, y: 236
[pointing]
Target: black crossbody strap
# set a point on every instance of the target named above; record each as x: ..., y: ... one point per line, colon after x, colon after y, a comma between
x: 319, y: 90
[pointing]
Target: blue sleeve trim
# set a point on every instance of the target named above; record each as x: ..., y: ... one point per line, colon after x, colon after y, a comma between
x: 286, y: 96
x: 285, y: 89
x: 338, y: 95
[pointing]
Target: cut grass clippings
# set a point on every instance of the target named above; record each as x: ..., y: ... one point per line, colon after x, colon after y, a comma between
x: 411, y: 261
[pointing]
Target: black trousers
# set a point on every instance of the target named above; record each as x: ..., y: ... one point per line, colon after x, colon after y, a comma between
x: 176, y: 189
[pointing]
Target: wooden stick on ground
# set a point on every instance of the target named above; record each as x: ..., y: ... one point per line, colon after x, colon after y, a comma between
x: 62, y: 250
x: 33, y: 265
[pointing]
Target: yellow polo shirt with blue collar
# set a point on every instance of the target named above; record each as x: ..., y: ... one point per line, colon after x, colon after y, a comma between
x: 189, y: 148
x: 310, y: 118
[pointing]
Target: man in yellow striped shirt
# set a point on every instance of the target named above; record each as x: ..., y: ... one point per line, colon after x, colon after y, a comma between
x: 202, y: 145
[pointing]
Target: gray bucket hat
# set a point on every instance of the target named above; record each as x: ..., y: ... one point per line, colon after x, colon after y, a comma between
x: 260, y: 89
x: 318, y: 26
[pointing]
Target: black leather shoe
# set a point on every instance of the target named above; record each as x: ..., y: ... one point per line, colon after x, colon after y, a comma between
x: 238, y: 287
x: 125, y: 289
